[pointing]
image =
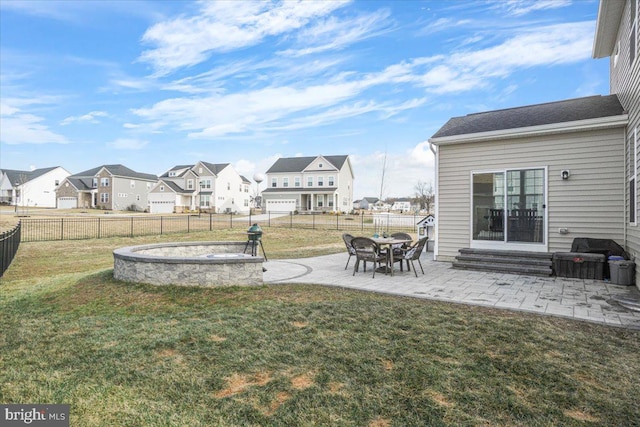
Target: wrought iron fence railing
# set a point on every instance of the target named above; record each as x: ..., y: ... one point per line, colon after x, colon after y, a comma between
x: 9, y: 243
x: 96, y: 227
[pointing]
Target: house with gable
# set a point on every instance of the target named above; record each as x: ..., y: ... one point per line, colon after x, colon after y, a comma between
x: 34, y: 188
x: 208, y: 187
x: 533, y: 178
x: 309, y: 184
x: 112, y: 187
x: 366, y: 203
x: 403, y: 204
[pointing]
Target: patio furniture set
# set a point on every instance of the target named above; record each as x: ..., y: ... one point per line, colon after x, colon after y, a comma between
x: 384, y: 252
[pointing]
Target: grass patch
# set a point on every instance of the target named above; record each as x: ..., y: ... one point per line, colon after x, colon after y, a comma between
x: 123, y: 354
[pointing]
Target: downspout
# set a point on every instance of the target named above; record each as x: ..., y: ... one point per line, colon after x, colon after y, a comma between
x: 435, y: 200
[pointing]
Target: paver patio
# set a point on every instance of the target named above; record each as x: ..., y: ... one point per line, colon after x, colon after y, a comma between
x: 588, y: 300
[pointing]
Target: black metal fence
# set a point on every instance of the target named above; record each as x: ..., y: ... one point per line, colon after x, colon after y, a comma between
x: 96, y: 227
x: 9, y: 243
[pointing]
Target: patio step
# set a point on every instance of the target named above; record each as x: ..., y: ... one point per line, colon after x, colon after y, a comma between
x: 513, y: 262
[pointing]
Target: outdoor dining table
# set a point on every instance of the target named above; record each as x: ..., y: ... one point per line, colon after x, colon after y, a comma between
x: 389, y: 241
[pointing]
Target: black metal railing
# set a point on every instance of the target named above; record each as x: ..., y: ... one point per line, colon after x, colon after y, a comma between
x: 77, y: 228
x: 9, y: 243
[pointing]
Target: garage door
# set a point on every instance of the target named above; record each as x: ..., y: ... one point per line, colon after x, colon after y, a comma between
x: 162, y: 207
x: 285, y: 205
x: 67, y: 203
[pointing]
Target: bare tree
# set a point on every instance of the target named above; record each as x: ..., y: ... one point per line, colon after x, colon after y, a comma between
x: 424, y: 195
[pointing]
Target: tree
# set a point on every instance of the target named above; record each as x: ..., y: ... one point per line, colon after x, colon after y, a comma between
x: 424, y: 195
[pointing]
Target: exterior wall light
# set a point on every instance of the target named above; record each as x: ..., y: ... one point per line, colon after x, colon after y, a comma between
x: 565, y: 174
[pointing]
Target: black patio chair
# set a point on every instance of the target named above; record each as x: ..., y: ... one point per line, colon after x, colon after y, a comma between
x: 412, y: 254
x: 397, y: 249
x: 367, y: 250
x: 347, y: 242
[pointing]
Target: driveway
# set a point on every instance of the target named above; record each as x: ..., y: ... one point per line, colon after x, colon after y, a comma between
x: 588, y: 300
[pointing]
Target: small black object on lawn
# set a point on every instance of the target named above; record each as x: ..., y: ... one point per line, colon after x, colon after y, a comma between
x: 254, y: 237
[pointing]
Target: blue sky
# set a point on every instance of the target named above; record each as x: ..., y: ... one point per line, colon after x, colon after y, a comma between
x: 156, y: 84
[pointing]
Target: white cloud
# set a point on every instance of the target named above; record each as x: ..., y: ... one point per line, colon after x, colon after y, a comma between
x: 20, y: 127
x: 334, y: 33
x: 89, y: 117
x: 523, y: 7
x: 128, y: 144
x: 225, y: 26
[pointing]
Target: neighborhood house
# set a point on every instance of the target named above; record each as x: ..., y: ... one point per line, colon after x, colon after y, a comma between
x: 113, y: 187
x: 305, y: 184
x: 35, y: 188
x: 207, y: 187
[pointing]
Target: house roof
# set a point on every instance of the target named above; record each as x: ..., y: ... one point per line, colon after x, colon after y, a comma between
x: 177, y: 168
x: 244, y: 180
x: 571, y: 110
x: 176, y: 187
x: 371, y: 199
x: 18, y: 177
x: 81, y: 184
x: 215, y: 168
x: 299, y: 164
x: 117, y: 170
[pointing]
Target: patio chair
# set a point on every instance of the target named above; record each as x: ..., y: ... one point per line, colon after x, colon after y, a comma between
x: 347, y: 242
x: 412, y: 254
x: 367, y: 250
x: 397, y: 249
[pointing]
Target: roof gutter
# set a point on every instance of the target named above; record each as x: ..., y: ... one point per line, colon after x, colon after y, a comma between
x: 530, y: 131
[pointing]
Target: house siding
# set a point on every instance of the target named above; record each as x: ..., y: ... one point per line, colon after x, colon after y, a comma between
x: 589, y: 204
x: 624, y: 78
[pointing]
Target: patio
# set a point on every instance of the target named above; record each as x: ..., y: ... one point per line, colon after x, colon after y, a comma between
x: 587, y: 300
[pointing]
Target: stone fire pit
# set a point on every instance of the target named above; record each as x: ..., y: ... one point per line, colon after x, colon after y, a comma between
x: 188, y: 264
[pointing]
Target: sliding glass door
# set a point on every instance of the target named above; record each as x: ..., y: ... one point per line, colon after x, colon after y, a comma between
x: 509, y: 206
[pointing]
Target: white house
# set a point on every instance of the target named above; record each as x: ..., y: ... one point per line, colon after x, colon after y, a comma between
x: 322, y: 183
x: 35, y: 188
x: 204, y: 186
x: 401, y: 205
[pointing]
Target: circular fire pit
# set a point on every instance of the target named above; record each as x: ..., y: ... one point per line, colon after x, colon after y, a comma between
x: 188, y: 264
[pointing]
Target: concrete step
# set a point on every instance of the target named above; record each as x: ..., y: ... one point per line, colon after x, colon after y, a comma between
x: 514, y: 262
x: 529, y: 270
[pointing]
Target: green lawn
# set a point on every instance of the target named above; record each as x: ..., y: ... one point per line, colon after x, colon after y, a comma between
x: 292, y: 355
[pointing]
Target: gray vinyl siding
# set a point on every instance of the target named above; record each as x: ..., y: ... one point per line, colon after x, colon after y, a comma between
x: 589, y: 204
x: 625, y: 82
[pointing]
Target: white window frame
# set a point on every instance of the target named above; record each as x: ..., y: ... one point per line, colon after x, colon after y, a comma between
x: 104, y: 182
x: 309, y: 181
x: 274, y: 182
x: 190, y: 184
x: 331, y: 182
x: 488, y: 244
x: 104, y: 197
x: 320, y: 181
x: 285, y: 182
x: 297, y: 182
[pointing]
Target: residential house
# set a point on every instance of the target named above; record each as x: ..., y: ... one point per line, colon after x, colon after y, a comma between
x: 402, y: 204
x: 113, y: 187
x: 366, y: 203
x: 204, y: 186
x: 533, y: 178
x: 322, y: 183
x: 34, y: 188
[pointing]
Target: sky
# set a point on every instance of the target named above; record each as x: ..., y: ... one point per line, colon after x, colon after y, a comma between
x: 154, y: 84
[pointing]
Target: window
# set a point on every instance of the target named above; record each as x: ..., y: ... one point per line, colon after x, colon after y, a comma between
x: 57, y: 182
x: 138, y: 197
x: 228, y: 186
x: 285, y: 182
x: 310, y: 181
x: 246, y: 203
x: 205, y: 201
x: 331, y: 182
x: 189, y: 184
x: 104, y: 182
x: 320, y: 165
x: 94, y: 183
x: 296, y: 181
x: 132, y: 184
x: 320, y: 181
x: 172, y: 173
x: 162, y: 188
x: 205, y: 184
x: 274, y: 182
x: 104, y: 197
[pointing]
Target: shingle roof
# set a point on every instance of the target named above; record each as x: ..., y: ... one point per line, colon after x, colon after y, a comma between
x: 215, y: 167
x: 300, y: 190
x: 298, y: 164
x: 81, y: 184
x: 18, y: 177
x: 117, y: 170
x: 590, y: 107
x: 176, y: 168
